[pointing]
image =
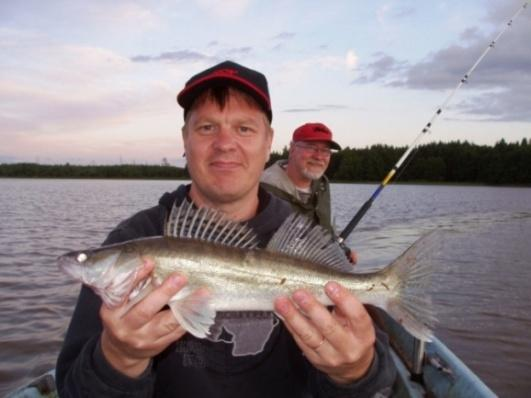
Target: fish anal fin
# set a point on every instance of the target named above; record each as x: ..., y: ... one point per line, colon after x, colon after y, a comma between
x: 192, y: 310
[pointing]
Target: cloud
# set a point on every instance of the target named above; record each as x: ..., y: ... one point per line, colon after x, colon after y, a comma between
x: 501, y: 82
x: 505, y: 105
x: 125, y: 14
x: 393, y: 11
x: 470, y: 35
x: 238, y: 52
x: 173, y: 56
x: 70, y: 90
x: 280, y: 40
x: 351, y: 60
x: 107, y: 16
x: 185, y: 56
x: 44, y: 111
x: 382, y: 68
x: 318, y: 108
x: 284, y: 36
x: 297, y: 70
x: 229, y: 9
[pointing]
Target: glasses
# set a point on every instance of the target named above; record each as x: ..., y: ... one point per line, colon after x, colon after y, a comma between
x: 314, y: 149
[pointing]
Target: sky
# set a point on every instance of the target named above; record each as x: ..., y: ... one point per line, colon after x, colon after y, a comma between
x: 94, y: 82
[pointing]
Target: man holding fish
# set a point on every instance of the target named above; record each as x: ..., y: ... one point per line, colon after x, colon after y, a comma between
x: 155, y: 334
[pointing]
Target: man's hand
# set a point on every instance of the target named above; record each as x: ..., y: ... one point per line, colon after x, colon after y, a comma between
x: 339, y: 343
x: 353, y: 257
x: 132, y: 336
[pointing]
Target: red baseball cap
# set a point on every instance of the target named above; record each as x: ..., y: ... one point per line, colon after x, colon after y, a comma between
x: 227, y: 73
x: 315, y: 132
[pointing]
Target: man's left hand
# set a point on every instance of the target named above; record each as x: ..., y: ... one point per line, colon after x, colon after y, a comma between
x: 339, y: 343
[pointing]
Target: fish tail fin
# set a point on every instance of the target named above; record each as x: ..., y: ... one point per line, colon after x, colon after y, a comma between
x: 411, y: 303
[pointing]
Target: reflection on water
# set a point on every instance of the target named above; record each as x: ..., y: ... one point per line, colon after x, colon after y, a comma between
x: 482, y: 273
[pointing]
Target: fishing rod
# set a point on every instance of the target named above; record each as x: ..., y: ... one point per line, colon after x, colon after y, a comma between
x: 366, y: 206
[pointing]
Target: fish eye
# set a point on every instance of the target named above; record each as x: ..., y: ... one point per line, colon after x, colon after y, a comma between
x: 81, y: 258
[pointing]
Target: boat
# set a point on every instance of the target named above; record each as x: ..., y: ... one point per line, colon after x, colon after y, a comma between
x: 41, y: 387
x: 424, y: 369
x: 427, y: 369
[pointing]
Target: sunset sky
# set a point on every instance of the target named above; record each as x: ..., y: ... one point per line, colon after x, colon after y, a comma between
x: 94, y: 82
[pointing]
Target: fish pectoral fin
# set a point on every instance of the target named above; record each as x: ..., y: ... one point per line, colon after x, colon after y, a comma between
x: 192, y: 310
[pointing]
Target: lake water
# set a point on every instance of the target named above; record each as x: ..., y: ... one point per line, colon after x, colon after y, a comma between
x: 482, y: 279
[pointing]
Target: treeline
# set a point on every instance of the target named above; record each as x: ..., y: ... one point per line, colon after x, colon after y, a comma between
x: 454, y: 162
x: 35, y: 170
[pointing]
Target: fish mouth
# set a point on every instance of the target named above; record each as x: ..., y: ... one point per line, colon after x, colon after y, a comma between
x: 69, y: 266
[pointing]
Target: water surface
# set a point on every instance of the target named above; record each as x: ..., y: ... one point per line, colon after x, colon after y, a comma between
x: 481, y: 290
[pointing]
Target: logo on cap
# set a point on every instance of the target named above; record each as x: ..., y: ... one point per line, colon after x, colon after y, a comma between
x: 224, y: 72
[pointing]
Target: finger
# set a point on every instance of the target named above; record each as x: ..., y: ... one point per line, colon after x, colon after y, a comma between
x: 344, y: 301
x: 147, y: 267
x: 320, y: 316
x: 123, y: 287
x: 146, y: 309
x: 139, y: 288
x: 349, y: 310
x: 281, y: 305
x: 309, y: 352
x: 141, y: 274
x: 164, y: 324
x: 301, y: 327
x: 169, y: 338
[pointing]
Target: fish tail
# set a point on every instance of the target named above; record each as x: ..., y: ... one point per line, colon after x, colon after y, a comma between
x: 410, y: 304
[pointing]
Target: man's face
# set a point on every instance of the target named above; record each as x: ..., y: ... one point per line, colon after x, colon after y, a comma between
x: 310, y: 158
x: 226, y: 150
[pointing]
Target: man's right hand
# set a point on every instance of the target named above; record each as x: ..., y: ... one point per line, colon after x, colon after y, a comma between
x: 353, y: 257
x: 132, y: 336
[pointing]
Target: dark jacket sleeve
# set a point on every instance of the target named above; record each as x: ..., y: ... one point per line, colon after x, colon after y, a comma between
x: 81, y: 369
x: 378, y: 382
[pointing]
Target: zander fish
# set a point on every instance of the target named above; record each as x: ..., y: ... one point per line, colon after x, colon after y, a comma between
x: 240, y: 278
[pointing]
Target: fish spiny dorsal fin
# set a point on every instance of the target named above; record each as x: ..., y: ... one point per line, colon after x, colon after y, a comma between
x: 186, y: 221
x: 298, y: 236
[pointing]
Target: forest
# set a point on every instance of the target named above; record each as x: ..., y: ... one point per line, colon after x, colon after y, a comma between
x: 453, y: 162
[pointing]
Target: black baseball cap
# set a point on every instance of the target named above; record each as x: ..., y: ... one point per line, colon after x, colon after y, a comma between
x: 227, y: 73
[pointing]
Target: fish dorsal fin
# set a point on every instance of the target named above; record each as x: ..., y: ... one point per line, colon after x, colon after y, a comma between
x: 300, y: 237
x: 186, y: 221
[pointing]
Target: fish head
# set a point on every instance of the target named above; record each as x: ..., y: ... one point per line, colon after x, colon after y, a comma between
x: 88, y: 266
x: 109, y: 271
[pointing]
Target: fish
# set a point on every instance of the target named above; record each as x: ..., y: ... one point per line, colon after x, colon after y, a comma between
x: 230, y: 278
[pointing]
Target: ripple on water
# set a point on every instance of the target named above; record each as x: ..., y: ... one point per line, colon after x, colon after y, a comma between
x: 480, y: 281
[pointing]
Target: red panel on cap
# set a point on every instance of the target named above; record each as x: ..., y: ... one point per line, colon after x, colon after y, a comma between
x: 231, y: 74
